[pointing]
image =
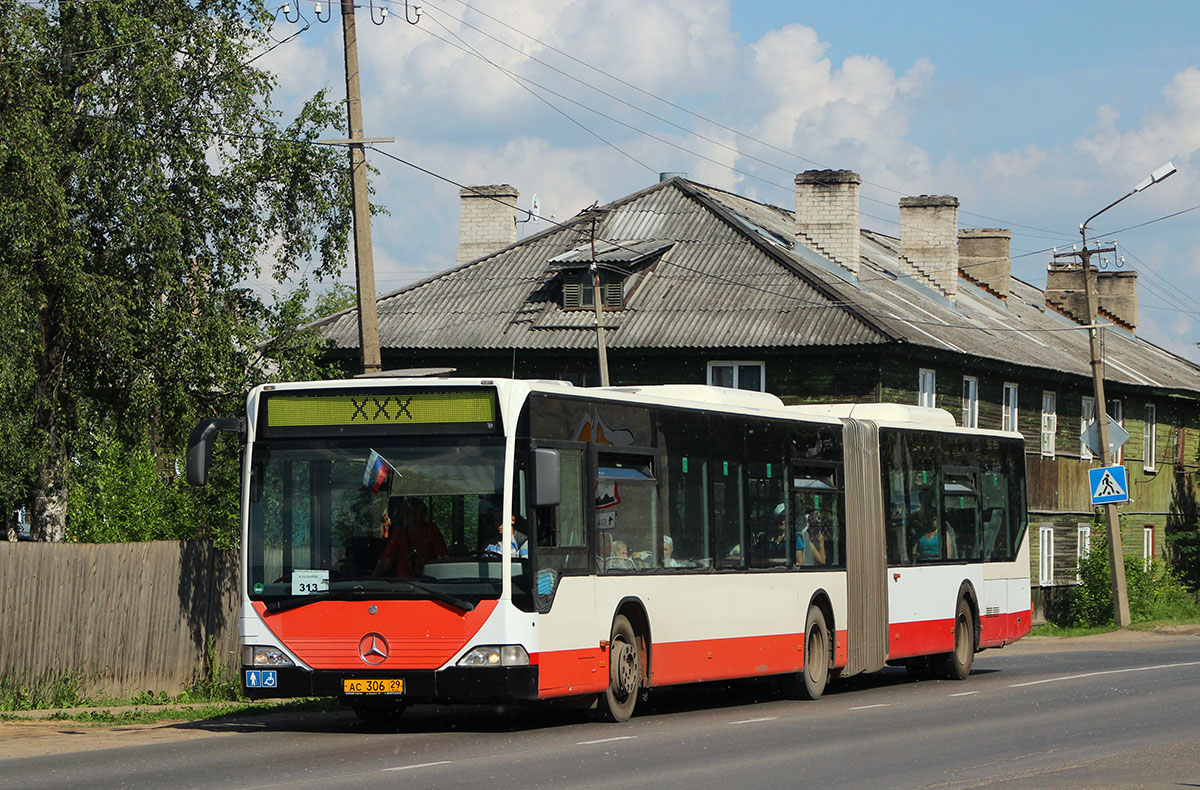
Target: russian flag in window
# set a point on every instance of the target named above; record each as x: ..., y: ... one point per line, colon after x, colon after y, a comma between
x: 376, y: 472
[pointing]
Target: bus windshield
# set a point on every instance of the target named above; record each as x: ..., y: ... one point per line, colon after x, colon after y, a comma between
x: 391, y: 517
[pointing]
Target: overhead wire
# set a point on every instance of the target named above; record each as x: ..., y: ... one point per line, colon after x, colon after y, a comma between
x: 471, y: 50
x: 674, y: 105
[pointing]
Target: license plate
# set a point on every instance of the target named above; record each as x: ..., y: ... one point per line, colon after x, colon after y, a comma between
x: 373, y: 686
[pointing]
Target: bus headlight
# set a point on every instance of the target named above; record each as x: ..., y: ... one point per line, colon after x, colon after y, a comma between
x: 495, y: 656
x: 264, y: 656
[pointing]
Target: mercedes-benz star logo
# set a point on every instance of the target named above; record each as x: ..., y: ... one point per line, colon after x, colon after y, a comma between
x: 373, y: 649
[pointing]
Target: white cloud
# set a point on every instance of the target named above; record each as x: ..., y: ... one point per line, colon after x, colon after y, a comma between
x: 463, y: 119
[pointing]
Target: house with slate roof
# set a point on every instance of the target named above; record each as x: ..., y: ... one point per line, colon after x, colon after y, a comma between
x: 699, y: 285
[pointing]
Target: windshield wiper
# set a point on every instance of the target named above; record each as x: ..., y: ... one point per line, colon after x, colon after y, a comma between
x: 358, y: 591
x: 453, y: 600
x: 284, y: 604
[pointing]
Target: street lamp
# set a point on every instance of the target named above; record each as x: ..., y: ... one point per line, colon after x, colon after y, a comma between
x: 1116, y: 555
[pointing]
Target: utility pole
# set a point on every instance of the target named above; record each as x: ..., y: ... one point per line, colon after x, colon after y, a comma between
x: 601, y: 349
x: 1116, y: 552
x: 364, y: 260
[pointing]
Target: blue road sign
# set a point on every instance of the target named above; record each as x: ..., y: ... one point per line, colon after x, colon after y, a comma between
x: 1108, y: 484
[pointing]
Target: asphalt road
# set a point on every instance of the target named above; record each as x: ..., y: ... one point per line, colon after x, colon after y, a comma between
x: 1119, y: 711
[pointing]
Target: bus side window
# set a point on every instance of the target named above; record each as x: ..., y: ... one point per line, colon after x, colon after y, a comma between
x: 562, y: 524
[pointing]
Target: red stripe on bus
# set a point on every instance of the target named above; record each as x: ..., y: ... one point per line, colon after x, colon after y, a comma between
x: 563, y: 672
x: 998, y: 630
x: 326, y: 635
x: 920, y: 638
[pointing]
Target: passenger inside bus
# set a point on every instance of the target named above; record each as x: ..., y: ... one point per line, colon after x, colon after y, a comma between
x: 811, y: 540
x: 620, y: 560
x: 519, y: 546
x: 412, y: 539
x: 928, y: 547
x: 771, y: 548
x: 668, y: 549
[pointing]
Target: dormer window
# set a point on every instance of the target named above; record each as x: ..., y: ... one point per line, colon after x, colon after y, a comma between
x: 622, y: 266
x: 578, y: 292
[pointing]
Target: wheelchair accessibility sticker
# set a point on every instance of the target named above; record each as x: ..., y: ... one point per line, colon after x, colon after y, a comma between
x: 261, y: 678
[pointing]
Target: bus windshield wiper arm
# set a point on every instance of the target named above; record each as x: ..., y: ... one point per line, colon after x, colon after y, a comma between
x: 295, y: 602
x: 453, y: 600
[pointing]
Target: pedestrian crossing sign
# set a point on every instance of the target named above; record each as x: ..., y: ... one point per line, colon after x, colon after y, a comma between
x: 1108, y: 484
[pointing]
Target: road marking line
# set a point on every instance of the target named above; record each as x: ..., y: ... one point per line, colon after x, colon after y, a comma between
x: 880, y: 705
x: 608, y: 740
x: 755, y: 721
x: 418, y: 765
x: 1105, y: 672
x: 964, y: 693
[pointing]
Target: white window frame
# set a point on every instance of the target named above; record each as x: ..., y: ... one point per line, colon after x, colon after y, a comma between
x: 736, y: 364
x: 1147, y: 546
x: 1150, y: 439
x: 1049, y: 422
x: 1008, y: 415
x: 1083, y: 545
x: 1116, y: 410
x: 1046, y: 555
x: 1087, y: 414
x: 927, y: 387
x: 970, y: 404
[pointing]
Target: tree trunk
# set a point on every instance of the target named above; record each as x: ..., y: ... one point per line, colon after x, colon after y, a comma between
x: 48, y: 521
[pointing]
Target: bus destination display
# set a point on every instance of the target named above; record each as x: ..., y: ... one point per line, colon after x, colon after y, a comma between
x: 288, y: 413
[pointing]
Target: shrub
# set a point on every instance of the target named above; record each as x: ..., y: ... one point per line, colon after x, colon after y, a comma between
x: 1155, y: 591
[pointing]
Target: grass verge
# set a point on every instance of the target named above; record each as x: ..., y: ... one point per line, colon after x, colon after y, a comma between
x: 153, y: 714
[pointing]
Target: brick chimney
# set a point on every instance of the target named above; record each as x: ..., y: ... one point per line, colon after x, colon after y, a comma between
x: 1116, y: 295
x: 487, y: 217
x: 929, y: 241
x: 983, y: 258
x: 1118, y: 298
x: 827, y: 215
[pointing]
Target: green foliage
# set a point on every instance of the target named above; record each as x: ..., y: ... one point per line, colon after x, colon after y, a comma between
x: 1156, y: 593
x: 52, y: 691
x: 215, y: 683
x: 144, y: 175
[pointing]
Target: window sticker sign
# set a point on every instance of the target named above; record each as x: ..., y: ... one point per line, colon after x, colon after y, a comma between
x: 310, y: 582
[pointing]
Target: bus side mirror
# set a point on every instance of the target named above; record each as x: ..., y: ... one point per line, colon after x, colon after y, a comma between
x: 200, y: 444
x: 547, y: 468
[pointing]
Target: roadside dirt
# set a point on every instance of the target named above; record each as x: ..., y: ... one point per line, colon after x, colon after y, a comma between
x: 35, y: 735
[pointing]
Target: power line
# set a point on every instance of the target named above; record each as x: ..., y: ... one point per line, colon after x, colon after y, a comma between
x: 514, y: 78
x: 668, y: 102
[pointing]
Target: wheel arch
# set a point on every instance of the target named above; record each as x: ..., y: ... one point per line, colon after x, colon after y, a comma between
x: 822, y: 601
x: 634, y: 610
x: 966, y: 591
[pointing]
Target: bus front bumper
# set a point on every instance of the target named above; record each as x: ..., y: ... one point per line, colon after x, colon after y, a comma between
x: 455, y: 684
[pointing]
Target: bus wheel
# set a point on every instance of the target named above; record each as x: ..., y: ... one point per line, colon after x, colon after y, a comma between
x: 810, y: 682
x: 624, y: 672
x: 956, y: 665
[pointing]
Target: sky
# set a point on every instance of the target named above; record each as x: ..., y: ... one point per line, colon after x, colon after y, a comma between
x: 1035, y: 115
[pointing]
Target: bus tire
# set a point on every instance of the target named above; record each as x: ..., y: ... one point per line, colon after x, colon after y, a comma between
x: 956, y: 665
x: 809, y: 683
x: 625, y: 664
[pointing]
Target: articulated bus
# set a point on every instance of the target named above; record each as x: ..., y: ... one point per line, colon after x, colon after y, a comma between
x: 415, y: 540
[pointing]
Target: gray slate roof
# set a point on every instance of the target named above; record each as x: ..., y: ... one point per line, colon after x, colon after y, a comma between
x: 731, y: 277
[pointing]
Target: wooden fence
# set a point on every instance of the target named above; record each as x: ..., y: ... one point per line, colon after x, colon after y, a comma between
x: 122, y: 618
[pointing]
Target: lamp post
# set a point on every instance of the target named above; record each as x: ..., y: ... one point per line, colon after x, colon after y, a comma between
x: 1116, y: 554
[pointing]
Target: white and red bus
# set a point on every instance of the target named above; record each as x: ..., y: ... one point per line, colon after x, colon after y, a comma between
x: 414, y: 540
